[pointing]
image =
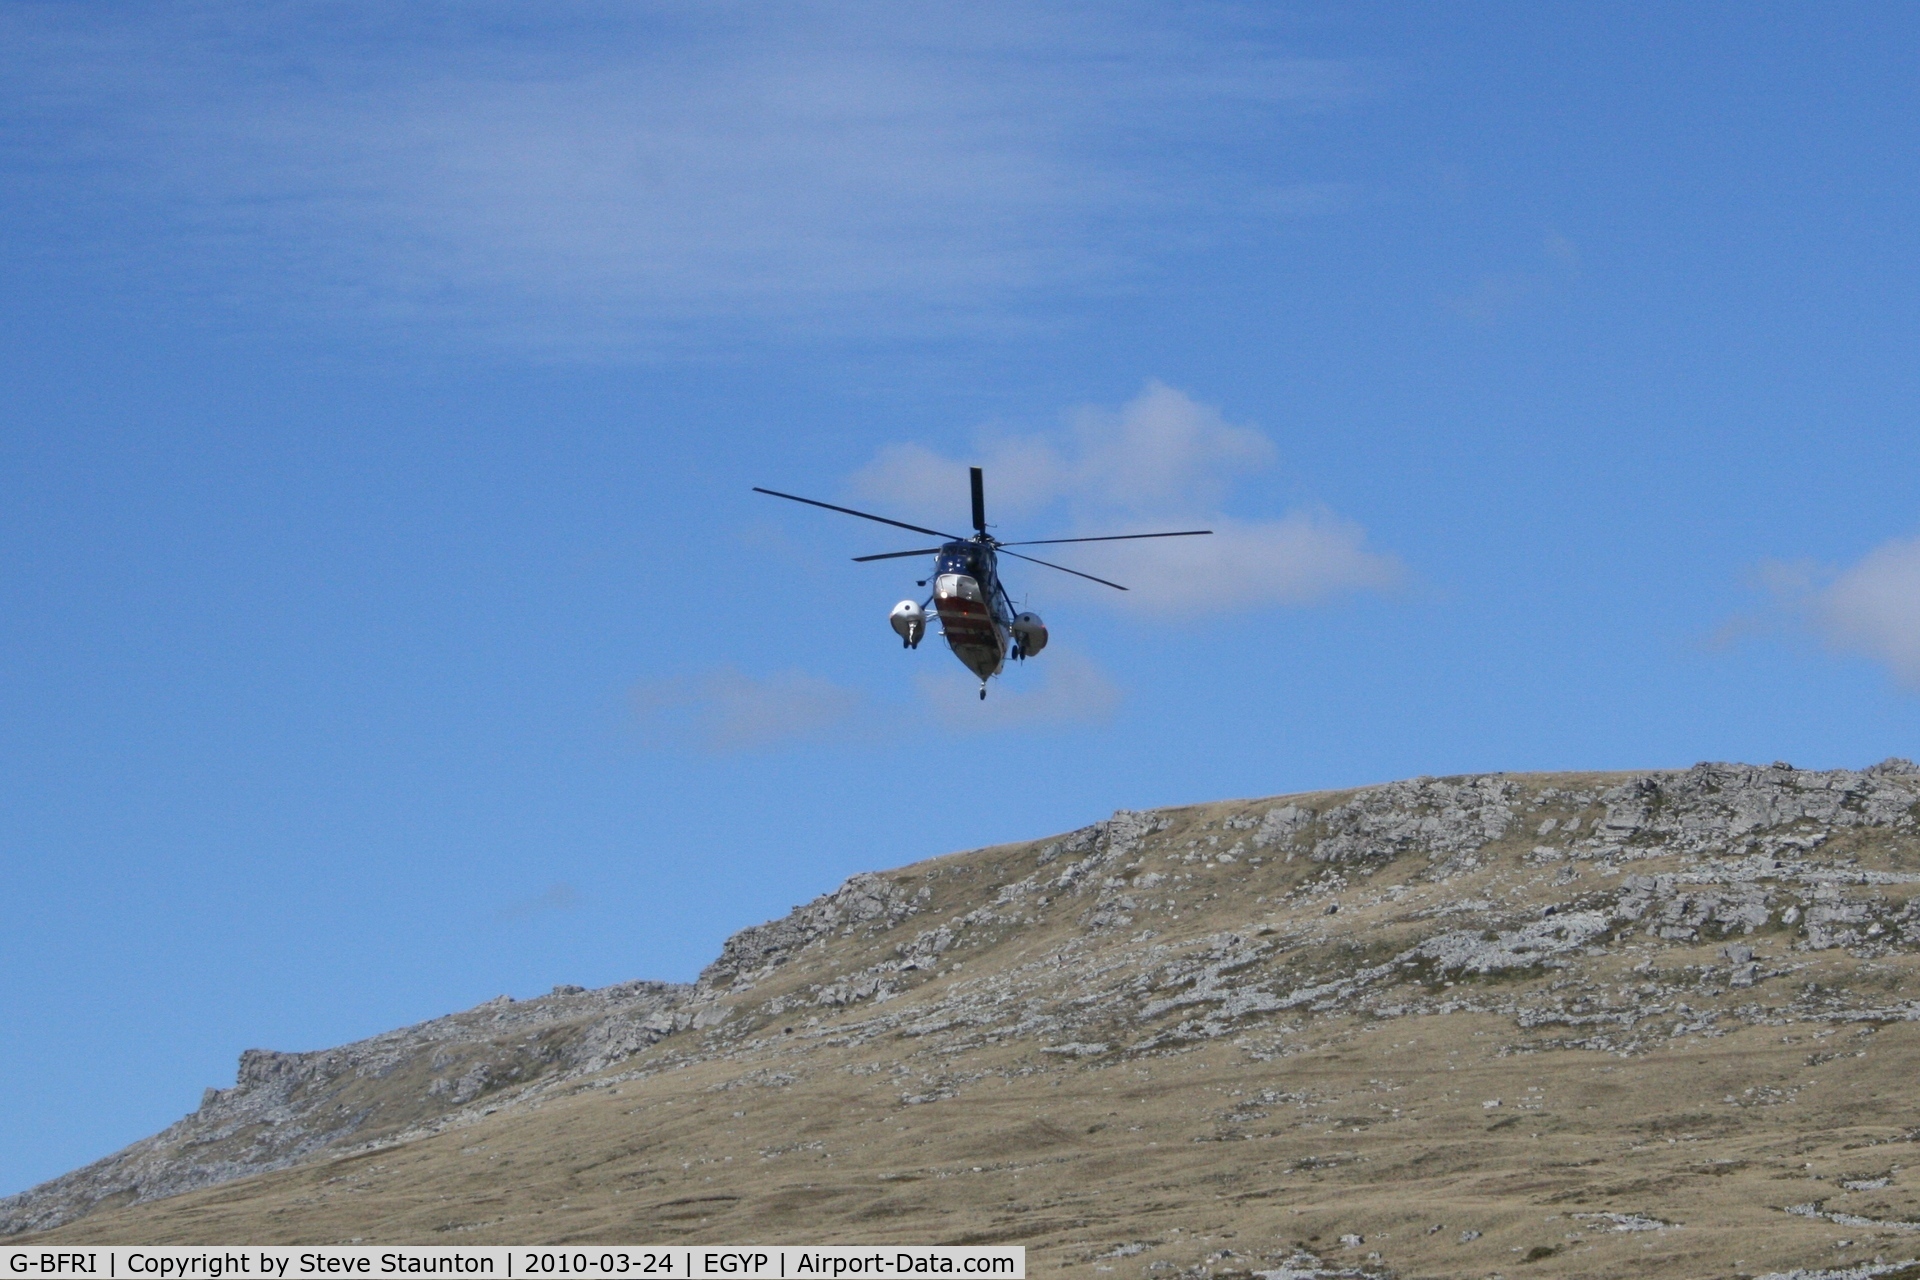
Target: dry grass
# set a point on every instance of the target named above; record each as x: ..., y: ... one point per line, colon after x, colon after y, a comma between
x: 1378, y: 1131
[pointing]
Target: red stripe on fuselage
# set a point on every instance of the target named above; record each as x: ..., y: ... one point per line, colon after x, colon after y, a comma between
x: 965, y: 618
x: 971, y: 634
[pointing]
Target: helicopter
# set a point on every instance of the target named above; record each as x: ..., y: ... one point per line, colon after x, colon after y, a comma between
x: 976, y: 615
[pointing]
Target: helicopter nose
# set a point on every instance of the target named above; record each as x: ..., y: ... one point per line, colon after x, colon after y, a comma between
x: 956, y: 586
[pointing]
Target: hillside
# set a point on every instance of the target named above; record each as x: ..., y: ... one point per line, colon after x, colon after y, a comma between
x: 1573, y: 1025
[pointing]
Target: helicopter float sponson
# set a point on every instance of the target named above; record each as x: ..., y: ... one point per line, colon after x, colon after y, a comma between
x: 976, y: 615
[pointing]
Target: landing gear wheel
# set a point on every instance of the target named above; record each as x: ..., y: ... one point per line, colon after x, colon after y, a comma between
x: 983, y: 693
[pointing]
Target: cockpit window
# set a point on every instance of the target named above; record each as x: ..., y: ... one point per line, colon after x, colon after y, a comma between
x: 958, y: 558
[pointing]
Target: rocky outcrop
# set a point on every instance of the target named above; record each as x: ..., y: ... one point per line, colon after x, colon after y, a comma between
x: 1435, y: 817
x: 870, y: 902
x: 1487, y: 894
x: 287, y: 1108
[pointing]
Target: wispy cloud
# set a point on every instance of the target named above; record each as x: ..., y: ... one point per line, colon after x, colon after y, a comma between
x: 557, y: 897
x: 1163, y: 460
x: 728, y: 710
x: 1495, y: 294
x: 1870, y: 608
x: 592, y: 174
x: 1058, y: 689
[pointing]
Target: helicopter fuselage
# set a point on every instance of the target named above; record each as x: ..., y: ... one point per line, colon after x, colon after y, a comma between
x: 974, y: 614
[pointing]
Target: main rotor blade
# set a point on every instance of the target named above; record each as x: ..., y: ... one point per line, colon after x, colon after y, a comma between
x: 775, y: 493
x: 979, y: 500
x: 1062, y: 568
x: 1112, y: 537
x: 898, y: 555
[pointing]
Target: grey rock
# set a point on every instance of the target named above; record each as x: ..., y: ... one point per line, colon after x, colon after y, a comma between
x: 1524, y: 948
x: 1437, y: 817
x: 868, y: 901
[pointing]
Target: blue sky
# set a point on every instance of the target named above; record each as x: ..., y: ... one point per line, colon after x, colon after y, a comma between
x: 386, y: 622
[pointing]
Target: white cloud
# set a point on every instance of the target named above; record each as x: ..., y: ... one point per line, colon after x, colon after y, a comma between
x: 1058, y: 689
x: 1871, y: 608
x: 1162, y: 453
x: 1302, y: 558
x: 591, y: 174
x: 728, y: 710
x: 1161, y: 461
